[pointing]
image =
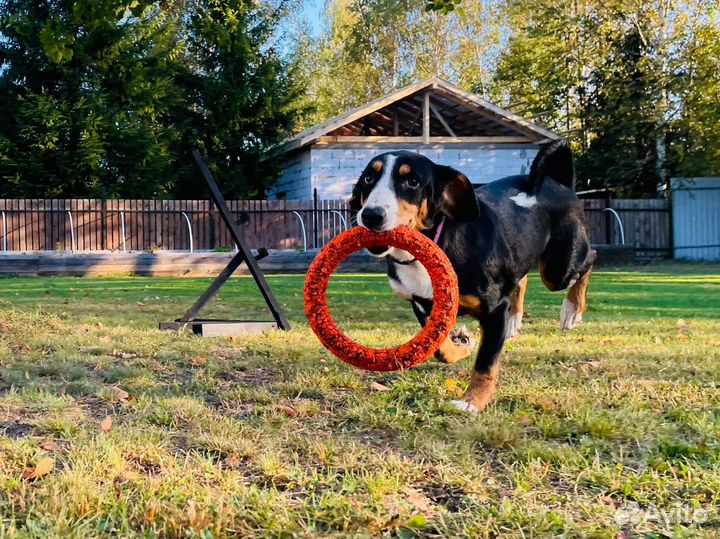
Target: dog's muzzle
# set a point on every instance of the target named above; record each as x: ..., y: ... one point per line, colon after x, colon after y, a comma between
x: 372, y: 218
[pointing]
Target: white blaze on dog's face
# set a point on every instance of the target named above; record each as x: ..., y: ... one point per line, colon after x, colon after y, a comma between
x: 380, y: 211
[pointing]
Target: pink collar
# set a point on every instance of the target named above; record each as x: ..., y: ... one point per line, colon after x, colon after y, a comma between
x: 439, y: 230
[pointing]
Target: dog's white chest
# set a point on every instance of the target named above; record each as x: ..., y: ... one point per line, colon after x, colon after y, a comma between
x: 412, y: 280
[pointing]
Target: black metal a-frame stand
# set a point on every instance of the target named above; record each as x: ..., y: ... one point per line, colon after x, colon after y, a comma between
x: 210, y: 328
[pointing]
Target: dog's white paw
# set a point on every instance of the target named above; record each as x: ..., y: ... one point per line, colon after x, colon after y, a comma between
x: 570, y: 316
x: 513, y: 325
x: 465, y: 406
x: 462, y: 337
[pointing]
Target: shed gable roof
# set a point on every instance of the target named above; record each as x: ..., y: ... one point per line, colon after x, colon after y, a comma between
x: 454, y: 115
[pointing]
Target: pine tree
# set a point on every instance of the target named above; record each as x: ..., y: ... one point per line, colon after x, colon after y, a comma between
x: 621, y: 114
x: 109, y: 97
x: 243, y: 92
x: 85, y: 90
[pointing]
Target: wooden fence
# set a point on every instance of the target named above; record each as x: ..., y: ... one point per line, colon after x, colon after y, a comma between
x: 142, y: 225
x: 646, y: 224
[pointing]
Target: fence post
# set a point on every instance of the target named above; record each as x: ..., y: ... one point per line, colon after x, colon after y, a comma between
x: 4, y: 222
x: 671, y: 224
x: 211, y: 224
x: 608, y: 224
x: 315, y: 218
x: 103, y: 222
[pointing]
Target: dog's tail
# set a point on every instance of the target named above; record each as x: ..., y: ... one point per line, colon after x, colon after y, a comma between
x: 554, y: 161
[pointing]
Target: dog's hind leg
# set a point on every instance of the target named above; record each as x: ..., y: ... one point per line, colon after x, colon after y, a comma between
x: 575, y: 301
x: 567, y: 263
x: 517, y: 308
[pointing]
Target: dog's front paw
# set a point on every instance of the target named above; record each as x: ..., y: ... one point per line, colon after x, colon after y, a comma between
x: 464, y: 406
x: 570, y: 315
x: 457, y: 346
x: 479, y: 393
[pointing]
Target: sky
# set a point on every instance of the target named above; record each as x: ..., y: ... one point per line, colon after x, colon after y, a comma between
x: 312, y: 11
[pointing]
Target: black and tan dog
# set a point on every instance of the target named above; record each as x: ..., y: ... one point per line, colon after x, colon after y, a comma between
x: 493, y: 235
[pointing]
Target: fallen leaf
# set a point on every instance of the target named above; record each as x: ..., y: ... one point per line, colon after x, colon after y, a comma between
x: 44, y: 467
x: 123, y: 355
x: 106, y: 425
x: 233, y: 461
x: 379, y: 387
x: 589, y: 365
x: 418, y: 499
x: 198, y: 361
x: 120, y: 394
x: 451, y: 384
x: 683, y: 327
x: 151, y: 512
x: 130, y: 475
x: 50, y: 445
x: 287, y: 410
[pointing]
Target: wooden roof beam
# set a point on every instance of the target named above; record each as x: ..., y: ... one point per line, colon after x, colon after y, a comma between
x: 421, y: 140
x: 437, y: 114
x: 513, y: 122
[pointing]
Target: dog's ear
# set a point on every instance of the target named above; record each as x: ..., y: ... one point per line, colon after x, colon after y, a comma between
x: 355, y: 201
x: 454, y: 194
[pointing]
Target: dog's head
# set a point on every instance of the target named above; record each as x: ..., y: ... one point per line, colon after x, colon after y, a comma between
x: 406, y: 188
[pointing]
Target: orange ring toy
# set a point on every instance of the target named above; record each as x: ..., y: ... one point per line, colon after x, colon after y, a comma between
x: 431, y: 336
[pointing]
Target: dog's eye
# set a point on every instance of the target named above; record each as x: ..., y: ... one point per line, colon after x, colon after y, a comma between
x: 368, y: 179
x: 412, y: 183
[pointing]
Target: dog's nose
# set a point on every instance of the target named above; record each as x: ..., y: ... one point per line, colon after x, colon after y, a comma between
x: 373, y: 218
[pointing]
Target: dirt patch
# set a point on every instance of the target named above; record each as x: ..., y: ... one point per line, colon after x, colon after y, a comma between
x: 453, y: 498
x: 94, y: 406
x: 380, y: 438
x: 256, y: 377
x: 15, y: 429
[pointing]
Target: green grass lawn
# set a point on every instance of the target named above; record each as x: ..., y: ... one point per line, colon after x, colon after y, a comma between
x: 270, y: 436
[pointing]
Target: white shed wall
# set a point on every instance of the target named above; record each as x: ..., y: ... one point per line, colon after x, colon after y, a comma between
x: 333, y: 170
x: 294, y: 183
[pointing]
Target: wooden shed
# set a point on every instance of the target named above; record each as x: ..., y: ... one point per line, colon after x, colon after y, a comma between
x: 435, y: 118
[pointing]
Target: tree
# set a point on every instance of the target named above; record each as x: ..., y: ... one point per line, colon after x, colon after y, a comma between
x: 243, y: 92
x: 619, y: 79
x: 695, y: 133
x: 85, y: 87
x: 109, y: 97
x: 371, y: 47
x: 621, y: 115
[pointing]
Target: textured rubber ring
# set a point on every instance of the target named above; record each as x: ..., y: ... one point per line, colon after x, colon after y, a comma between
x: 419, y: 348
